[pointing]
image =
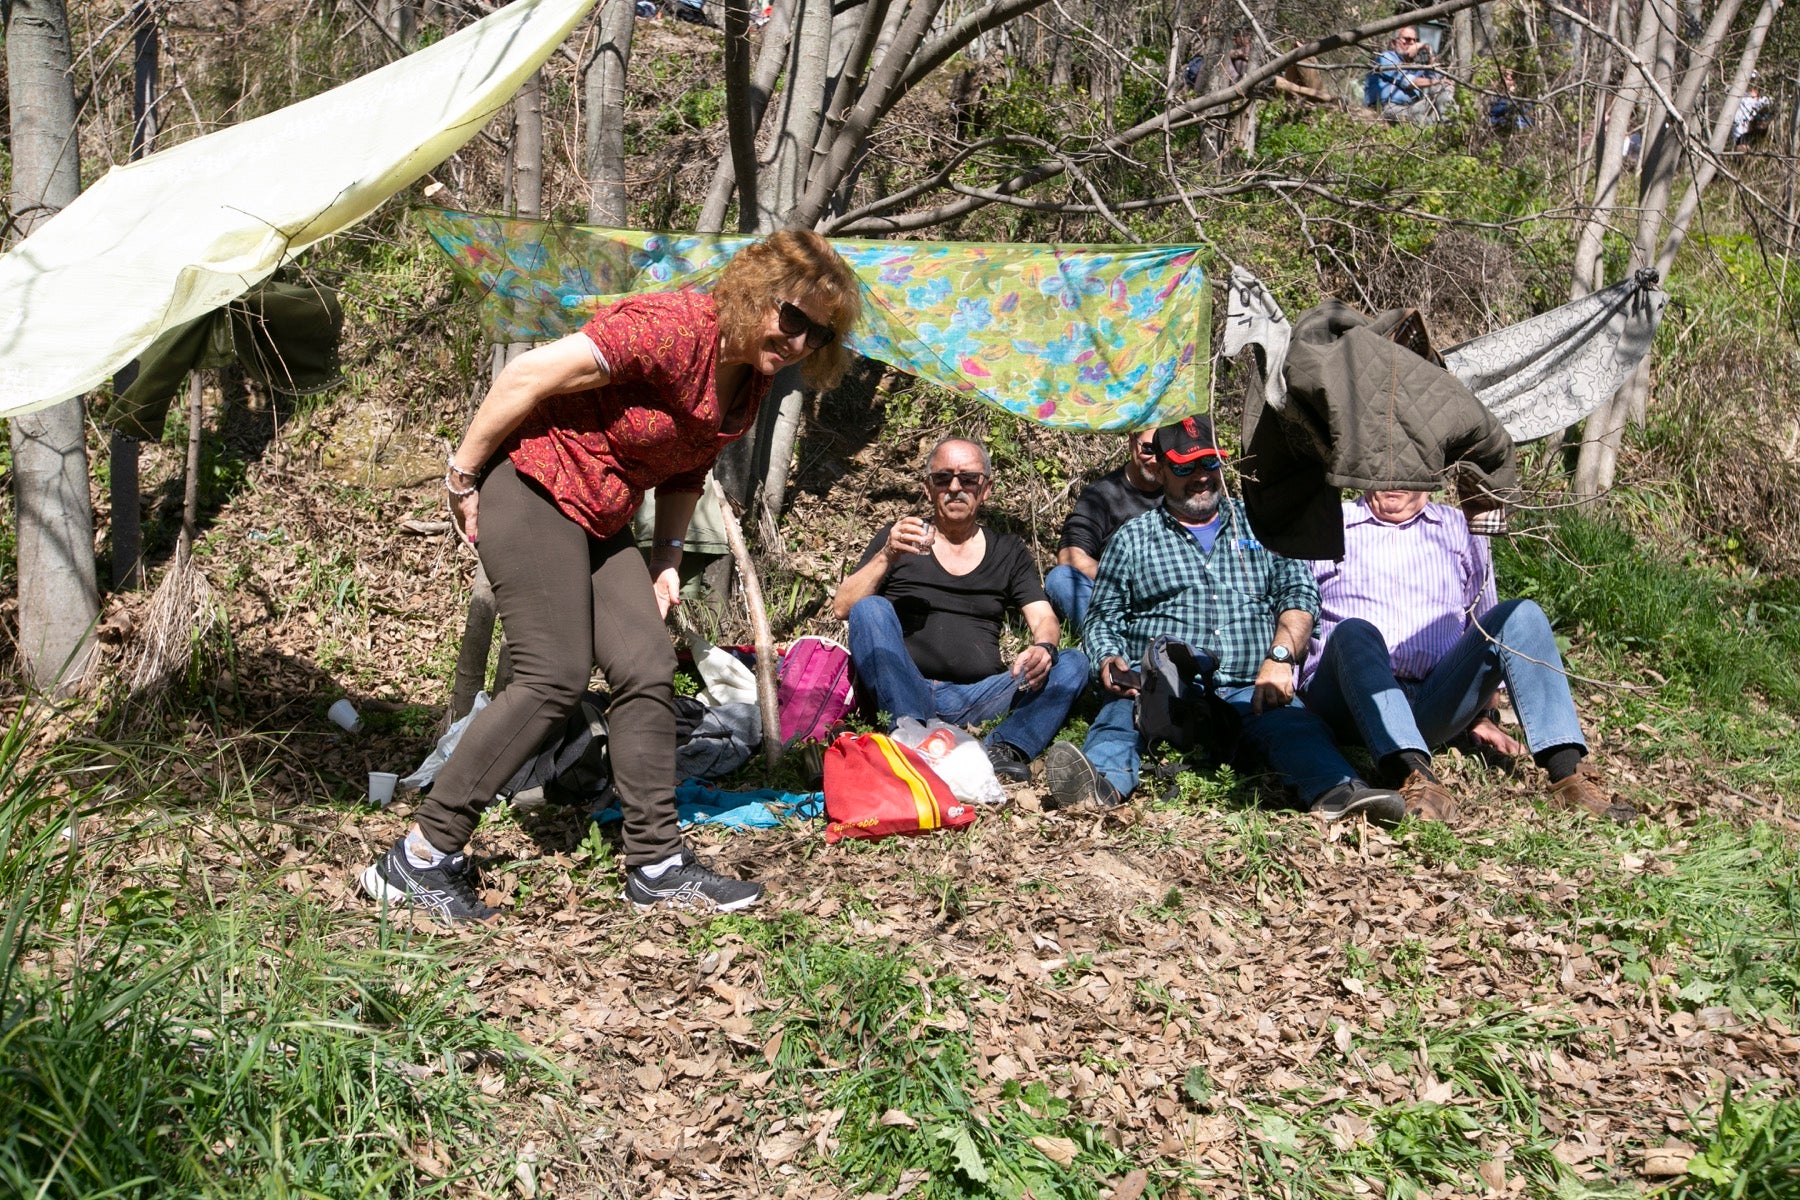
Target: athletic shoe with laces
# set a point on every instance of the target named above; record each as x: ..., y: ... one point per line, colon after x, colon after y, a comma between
x: 689, y: 884
x: 1073, y: 780
x: 1009, y: 762
x: 446, y: 891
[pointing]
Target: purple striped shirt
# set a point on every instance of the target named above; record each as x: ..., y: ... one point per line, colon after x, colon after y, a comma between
x: 1420, y: 583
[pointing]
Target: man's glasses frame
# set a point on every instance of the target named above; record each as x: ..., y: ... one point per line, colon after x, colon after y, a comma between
x: 1206, y: 462
x: 970, y: 480
x: 794, y: 322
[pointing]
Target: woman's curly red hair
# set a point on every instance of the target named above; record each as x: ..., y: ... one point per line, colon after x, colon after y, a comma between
x: 799, y: 266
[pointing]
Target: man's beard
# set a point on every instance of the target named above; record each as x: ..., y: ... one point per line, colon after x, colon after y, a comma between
x: 1195, y: 509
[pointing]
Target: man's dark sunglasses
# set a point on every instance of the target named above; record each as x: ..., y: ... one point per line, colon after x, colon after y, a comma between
x: 1206, y: 462
x: 970, y: 480
x: 795, y: 322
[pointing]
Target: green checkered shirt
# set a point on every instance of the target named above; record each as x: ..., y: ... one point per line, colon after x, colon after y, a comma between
x: 1154, y: 579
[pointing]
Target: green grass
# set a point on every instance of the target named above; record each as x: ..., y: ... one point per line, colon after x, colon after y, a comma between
x: 188, y: 1035
x: 1751, y: 1152
x: 865, y: 1029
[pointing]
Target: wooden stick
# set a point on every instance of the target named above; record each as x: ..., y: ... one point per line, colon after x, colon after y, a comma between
x: 759, y: 625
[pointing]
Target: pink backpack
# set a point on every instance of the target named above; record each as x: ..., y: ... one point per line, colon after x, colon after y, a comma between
x: 814, y: 692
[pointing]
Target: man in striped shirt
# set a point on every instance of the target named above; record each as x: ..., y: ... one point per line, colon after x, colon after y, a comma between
x: 1191, y: 569
x: 1411, y: 649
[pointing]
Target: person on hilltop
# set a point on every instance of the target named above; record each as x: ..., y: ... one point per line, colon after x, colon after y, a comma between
x: 1401, y: 91
x: 1100, y: 509
x: 926, y: 604
x: 1412, y: 648
x: 544, y: 484
x: 1191, y: 569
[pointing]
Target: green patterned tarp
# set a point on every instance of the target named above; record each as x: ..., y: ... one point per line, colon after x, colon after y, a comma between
x: 1080, y: 337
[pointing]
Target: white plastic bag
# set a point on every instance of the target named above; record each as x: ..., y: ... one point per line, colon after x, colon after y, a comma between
x: 958, y: 759
x: 440, y: 754
x: 727, y: 679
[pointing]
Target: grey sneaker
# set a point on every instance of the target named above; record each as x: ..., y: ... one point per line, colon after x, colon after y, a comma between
x: 446, y: 891
x: 1382, y: 806
x: 690, y: 884
x: 1073, y: 780
x: 1009, y: 761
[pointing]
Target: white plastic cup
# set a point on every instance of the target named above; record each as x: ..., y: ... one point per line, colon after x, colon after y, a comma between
x: 381, y: 787
x: 344, y: 715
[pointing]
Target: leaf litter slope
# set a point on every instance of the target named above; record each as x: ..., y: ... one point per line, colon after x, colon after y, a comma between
x: 1198, y: 995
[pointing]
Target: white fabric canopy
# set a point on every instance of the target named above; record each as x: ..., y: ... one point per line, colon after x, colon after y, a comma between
x: 177, y: 234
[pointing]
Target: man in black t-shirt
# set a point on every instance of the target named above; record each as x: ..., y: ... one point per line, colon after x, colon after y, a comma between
x: 926, y: 604
x: 1102, y: 507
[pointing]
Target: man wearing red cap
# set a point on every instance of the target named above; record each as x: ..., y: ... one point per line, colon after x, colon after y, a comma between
x: 1192, y: 570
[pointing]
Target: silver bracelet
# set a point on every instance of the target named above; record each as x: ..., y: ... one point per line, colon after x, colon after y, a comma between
x: 453, y: 469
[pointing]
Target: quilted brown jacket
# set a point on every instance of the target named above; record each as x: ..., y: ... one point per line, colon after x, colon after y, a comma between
x: 1363, y: 412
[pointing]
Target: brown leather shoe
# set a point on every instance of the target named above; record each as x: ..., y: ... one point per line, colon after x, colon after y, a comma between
x: 1586, y: 790
x: 1427, y: 799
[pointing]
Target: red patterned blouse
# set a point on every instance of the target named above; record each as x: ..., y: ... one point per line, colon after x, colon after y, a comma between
x: 655, y: 425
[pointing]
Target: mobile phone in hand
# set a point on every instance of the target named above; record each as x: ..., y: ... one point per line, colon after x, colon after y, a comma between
x: 1128, y: 679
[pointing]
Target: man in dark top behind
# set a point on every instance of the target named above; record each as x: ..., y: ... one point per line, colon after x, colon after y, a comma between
x: 1102, y: 507
x: 926, y: 605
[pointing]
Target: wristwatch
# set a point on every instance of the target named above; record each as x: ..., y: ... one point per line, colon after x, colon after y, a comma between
x: 1281, y: 654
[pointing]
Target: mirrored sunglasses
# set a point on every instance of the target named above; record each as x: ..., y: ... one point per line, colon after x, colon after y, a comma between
x: 1206, y: 462
x: 795, y: 322
x: 970, y: 480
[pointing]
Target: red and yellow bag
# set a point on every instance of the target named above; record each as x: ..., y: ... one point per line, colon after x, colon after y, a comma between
x: 874, y: 787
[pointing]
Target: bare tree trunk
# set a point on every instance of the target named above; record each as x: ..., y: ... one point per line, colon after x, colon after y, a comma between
x: 799, y: 130
x: 127, y: 503
x: 1598, y: 464
x: 605, y: 141
x: 1588, y: 244
x: 755, y: 102
x: 738, y: 117
x: 883, y: 89
x: 59, y: 597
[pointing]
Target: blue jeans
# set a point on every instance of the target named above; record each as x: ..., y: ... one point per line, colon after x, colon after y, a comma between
x: 1354, y: 687
x: 886, y: 671
x: 1295, y: 743
x: 1069, y: 591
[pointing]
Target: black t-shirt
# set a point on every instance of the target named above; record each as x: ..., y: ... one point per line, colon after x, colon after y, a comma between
x: 952, y: 622
x: 1102, y: 507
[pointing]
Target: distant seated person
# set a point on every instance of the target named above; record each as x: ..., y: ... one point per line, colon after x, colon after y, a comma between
x: 1506, y: 111
x: 1414, y: 649
x: 1102, y: 507
x: 1192, y: 570
x: 926, y: 606
x: 1401, y: 91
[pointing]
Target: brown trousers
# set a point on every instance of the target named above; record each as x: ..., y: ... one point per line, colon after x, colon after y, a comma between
x: 566, y: 600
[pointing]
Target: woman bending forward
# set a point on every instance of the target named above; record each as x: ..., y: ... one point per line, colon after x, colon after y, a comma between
x: 558, y: 457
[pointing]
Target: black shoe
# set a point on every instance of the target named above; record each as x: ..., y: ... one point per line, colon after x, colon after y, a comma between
x: 446, y: 891
x: 689, y: 883
x: 1073, y: 780
x: 1382, y: 806
x: 1009, y: 762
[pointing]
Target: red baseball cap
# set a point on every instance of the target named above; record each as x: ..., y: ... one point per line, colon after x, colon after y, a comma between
x: 1186, y: 440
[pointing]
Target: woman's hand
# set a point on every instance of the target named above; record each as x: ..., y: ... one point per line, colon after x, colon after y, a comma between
x: 462, y: 512
x: 665, y: 582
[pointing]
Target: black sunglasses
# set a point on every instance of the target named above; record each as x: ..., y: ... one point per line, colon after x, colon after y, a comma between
x: 795, y: 322
x: 970, y: 480
x: 1206, y: 462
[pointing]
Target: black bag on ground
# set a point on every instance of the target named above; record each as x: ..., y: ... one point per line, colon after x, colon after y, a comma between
x: 572, y: 766
x: 1176, y: 703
